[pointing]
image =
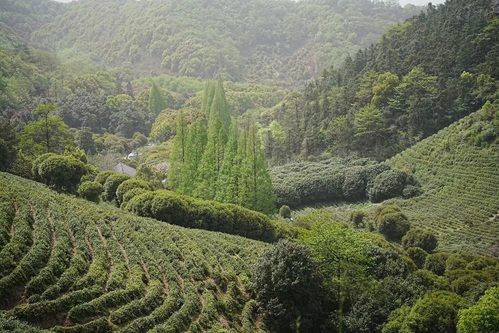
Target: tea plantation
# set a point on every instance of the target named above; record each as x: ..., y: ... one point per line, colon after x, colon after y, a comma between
x: 459, y: 176
x: 67, y: 265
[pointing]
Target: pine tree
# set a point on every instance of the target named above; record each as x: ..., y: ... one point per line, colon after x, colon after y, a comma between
x: 157, y: 101
x: 177, y: 159
x: 195, y: 145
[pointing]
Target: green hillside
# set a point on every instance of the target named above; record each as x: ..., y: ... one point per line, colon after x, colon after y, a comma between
x: 459, y: 180
x: 264, y: 41
x: 71, y: 266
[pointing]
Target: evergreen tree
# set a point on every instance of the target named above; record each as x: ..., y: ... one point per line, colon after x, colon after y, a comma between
x: 177, y: 159
x: 195, y: 145
x: 228, y: 180
x: 213, y: 155
x: 212, y: 159
x: 208, y: 94
x: 220, y: 107
x: 255, y: 189
x: 157, y: 101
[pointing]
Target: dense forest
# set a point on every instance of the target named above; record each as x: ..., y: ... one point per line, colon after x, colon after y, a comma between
x: 249, y: 166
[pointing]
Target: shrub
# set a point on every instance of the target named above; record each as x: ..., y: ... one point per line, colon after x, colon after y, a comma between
x: 132, y: 194
x: 111, y: 185
x: 436, y: 262
x: 210, y: 215
x: 387, y: 184
x: 286, y: 195
x: 90, y: 191
x: 354, y: 185
x: 128, y: 185
x: 103, y: 175
x: 285, y: 211
x: 418, y: 255
x: 357, y: 218
x: 393, y: 225
x: 62, y: 172
x: 420, y: 238
x: 436, y: 312
x: 410, y: 191
x: 36, y: 165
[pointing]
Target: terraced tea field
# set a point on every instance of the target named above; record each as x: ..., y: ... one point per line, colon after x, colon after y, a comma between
x: 67, y: 265
x: 460, y: 184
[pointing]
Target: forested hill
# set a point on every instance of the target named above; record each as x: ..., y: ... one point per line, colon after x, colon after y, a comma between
x: 256, y: 40
x: 422, y: 75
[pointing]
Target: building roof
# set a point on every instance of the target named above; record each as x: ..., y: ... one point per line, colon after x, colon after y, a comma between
x: 125, y: 169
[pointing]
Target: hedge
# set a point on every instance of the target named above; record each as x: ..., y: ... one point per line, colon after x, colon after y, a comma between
x: 185, y: 211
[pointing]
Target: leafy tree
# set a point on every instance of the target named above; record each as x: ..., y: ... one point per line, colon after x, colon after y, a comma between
x: 370, y: 128
x: 49, y: 134
x: 8, y: 140
x: 288, y: 288
x: 483, y: 316
x: 344, y: 259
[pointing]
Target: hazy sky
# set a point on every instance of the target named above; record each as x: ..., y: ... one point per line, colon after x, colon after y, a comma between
x: 420, y: 2
x: 402, y: 2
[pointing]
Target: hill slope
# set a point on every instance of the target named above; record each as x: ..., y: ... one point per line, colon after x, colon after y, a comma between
x: 70, y: 266
x: 242, y: 40
x: 460, y: 186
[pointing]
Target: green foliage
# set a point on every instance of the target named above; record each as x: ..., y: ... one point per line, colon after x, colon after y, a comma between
x: 388, y: 184
x: 104, y: 269
x: 357, y: 218
x: 285, y: 212
x: 246, y: 47
x: 210, y: 215
x: 417, y: 254
x: 420, y: 238
x: 111, y: 184
x: 49, y: 134
x: 436, y: 263
x: 128, y: 185
x: 61, y: 172
x: 326, y: 181
x: 103, y: 175
x: 8, y: 140
x: 482, y: 316
x: 391, y: 222
x: 90, y: 191
x: 157, y: 101
x: 443, y: 165
x: 288, y: 288
x: 435, y: 312
x: 343, y: 255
